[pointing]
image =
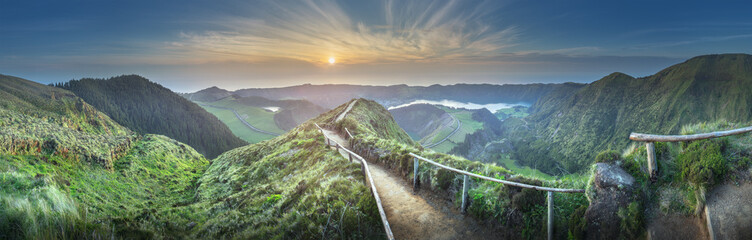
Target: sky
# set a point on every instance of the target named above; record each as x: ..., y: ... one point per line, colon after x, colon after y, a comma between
x: 193, y: 44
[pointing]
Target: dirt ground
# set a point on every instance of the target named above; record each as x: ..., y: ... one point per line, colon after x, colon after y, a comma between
x: 677, y: 227
x: 730, y: 207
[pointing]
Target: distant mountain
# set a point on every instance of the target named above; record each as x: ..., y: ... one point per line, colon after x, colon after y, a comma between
x: 332, y: 95
x: 208, y: 95
x: 147, y: 107
x: 567, y: 130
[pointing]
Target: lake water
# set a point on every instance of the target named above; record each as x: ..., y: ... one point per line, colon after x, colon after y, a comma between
x: 272, y: 109
x: 450, y: 103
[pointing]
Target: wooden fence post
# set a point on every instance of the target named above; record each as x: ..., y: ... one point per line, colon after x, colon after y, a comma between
x: 652, y: 162
x: 465, y: 183
x: 415, y: 174
x: 711, y: 232
x: 550, y: 216
x: 349, y: 156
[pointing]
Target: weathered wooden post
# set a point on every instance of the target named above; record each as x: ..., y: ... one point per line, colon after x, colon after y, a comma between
x: 465, y: 183
x: 349, y: 156
x: 550, y: 215
x: 652, y: 162
x: 415, y: 174
x: 711, y: 232
x: 363, y: 169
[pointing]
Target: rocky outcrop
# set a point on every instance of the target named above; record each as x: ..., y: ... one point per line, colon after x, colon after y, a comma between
x: 612, y: 188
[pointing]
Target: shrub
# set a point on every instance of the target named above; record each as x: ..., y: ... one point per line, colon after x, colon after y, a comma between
x: 525, y: 199
x: 631, y: 220
x: 702, y: 162
x: 608, y: 156
x: 577, y: 223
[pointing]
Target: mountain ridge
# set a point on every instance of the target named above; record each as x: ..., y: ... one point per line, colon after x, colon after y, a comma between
x: 570, y: 129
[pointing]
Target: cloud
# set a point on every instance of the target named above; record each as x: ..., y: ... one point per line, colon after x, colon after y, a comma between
x: 408, y: 31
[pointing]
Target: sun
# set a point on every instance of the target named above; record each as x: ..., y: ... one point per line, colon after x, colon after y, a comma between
x: 332, y: 60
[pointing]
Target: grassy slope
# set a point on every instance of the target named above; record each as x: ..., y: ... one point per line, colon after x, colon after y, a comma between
x: 147, y: 107
x: 68, y: 171
x: 518, y: 112
x: 378, y: 139
x: 685, y: 174
x: 237, y: 127
x: 137, y: 198
x: 601, y: 115
x: 287, y: 187
x: 469, y: 126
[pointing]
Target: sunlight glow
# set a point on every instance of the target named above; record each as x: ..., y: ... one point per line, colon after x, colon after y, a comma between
x: 332, y: 60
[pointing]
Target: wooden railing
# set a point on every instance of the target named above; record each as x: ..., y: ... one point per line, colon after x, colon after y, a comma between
x: 650, y: 139
x: 367, y: 172
x: 465, y: 187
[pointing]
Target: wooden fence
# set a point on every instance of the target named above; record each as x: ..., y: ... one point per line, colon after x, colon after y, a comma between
x: 650, y: 139
x: 466, y: 185
x: 367, y: 172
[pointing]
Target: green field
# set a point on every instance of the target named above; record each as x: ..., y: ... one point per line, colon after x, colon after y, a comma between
x: 469, y: 126
x: 518, y: 112
x: 526, y: 171
x: 256, y: 116
x: 237, y: 127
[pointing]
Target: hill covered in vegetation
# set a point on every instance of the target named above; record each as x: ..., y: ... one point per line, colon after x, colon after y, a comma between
x: 513, y: 212
x: 147, y: 107
x: 56, y: 180
x: 69, y: 171
x: 272, y: 117
x: 567, y: 130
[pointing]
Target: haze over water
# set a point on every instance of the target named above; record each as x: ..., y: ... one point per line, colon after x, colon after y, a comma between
x: 493, y: 107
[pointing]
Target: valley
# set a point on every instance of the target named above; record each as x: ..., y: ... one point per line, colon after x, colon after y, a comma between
x: 88, y: 158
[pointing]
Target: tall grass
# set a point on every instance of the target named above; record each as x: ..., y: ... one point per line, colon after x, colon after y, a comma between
x: 34, y: 208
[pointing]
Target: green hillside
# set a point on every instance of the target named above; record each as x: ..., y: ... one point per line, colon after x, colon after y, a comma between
x: 69, y: 171
x: 147, y: 107
x: 519, y: 213
x: 257, y: 112
x: 568, y: 130
x: 286, y: 188
x: 56, y: 183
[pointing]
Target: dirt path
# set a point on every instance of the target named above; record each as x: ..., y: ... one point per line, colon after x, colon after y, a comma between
x: 413, y: 217
x: 343, y: 114
x: 730, y: 208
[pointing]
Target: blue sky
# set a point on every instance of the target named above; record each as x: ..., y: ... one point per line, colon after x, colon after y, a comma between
x: 190, y: 45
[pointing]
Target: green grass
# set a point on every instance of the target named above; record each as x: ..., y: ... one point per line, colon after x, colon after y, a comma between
x: 256, y: 116
x: 237, y: 127
x: 490, y: 201
x: 518, y: 112
x: 141, y: 195
x: 469, y: 126
x: 290, y: 187
x: 524, y: 170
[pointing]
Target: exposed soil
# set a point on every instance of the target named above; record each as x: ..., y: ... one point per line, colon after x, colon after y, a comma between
x: 413, y: 216
x: 677, y: 227
x: 730, y: 207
